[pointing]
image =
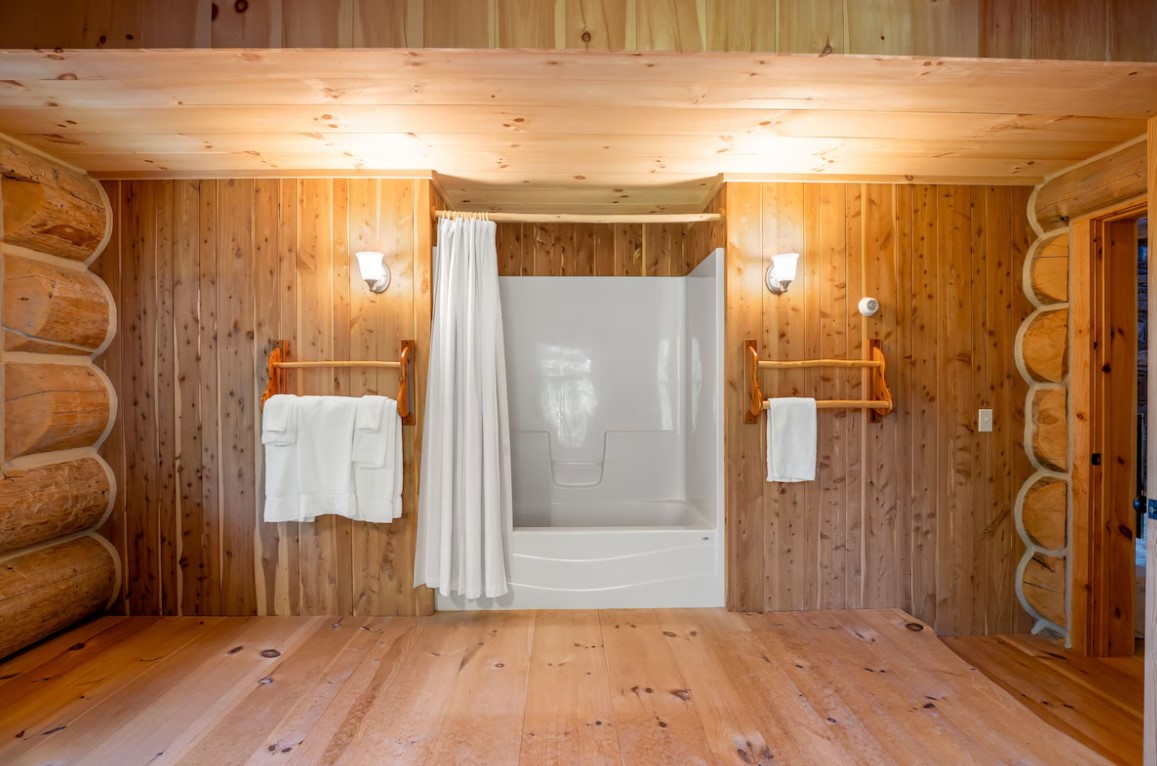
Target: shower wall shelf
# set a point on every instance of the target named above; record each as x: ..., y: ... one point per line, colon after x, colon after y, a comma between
x: 277, y: 368
x: 878, y: 405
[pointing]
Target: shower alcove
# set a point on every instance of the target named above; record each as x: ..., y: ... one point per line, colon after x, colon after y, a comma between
x: 615, y: 390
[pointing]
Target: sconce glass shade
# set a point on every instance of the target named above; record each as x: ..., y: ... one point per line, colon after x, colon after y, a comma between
x: 374, y: 271
x: 781, y: 272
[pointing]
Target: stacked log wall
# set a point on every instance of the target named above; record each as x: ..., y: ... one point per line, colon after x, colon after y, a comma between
x: 55, y: 316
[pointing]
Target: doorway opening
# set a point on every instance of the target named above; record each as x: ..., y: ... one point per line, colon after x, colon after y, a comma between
x: 1109, y: 400
x: 1142, y: 527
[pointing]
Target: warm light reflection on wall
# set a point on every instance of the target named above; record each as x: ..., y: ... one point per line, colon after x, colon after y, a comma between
x: 568, y: 397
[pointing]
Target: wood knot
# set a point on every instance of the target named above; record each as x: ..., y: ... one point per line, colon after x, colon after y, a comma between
x: 241, y: 6
x: 270, y: 653
x: 586, y: 36
x: 915, y: 627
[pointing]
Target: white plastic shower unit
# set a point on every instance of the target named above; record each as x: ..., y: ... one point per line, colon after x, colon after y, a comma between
x: 615, y: 388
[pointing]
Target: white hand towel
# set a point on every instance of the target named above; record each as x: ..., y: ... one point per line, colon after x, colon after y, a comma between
x: 791, y: 439
x: 282, y: 491
x: 370, y: 410
x: 373, y: 434
x: 278, y: 424
x: 378, y: 483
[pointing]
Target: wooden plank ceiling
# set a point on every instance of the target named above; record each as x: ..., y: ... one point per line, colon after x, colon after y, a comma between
x: 572, y: 130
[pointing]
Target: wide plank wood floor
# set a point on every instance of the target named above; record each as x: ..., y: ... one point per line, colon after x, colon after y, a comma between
x: 1099, y: 702
x: 576, y: 687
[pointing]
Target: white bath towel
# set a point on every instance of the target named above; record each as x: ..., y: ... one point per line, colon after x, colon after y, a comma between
x: 278, y: 422
x: 377, y: 457
x: 325, y: 426
x: 315, y: 477
x: 791, y: 439
x: 372, y: 432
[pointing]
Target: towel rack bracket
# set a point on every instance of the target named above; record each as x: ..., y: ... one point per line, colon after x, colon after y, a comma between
x: 755, y: 393
x: 878, y: 404
x: 277, y: 367
x: 405, y: 382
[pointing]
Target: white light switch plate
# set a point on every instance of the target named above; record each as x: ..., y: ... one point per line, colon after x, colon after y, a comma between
x: 984, y: 421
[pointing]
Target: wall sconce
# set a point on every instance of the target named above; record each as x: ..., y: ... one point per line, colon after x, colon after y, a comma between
x: 374, y: 270
x: 781, y: 272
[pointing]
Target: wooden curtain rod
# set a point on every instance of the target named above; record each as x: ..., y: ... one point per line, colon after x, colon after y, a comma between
x: 878, y: 405
x: 578, y: 218
x: 277, y: 364
x: 807, y: 363
x: 300, y: 365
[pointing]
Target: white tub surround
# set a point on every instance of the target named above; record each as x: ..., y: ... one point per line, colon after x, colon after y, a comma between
x: 616, y: 441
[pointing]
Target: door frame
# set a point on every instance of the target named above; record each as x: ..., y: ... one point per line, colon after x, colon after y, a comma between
x: 1150, y: 737
x: 1103, y: 390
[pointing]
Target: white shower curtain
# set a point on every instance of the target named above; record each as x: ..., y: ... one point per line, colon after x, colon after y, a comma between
x: 464, y: 504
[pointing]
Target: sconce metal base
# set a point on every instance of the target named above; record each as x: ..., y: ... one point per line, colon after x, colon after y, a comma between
x: 773, y: 284
x: 379, y: 286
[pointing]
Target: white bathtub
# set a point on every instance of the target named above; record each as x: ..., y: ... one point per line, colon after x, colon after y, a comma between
x: 611, y: 556
x: 646, y: 514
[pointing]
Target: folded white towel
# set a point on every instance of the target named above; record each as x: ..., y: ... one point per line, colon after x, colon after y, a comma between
x: 791, y: 439
x: 373, y: 435
x: 370, y: 411
x: 282, y: 491
x: 315, y: 475
x: 278, y: 424
x: 378, y: 482
x: 336, y: 455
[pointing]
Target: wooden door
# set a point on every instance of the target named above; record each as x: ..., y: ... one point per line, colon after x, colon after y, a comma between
x: 1104, y: 393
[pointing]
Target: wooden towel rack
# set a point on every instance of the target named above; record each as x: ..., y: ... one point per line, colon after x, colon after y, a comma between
x: 878, y: 404
x: 277, y: 368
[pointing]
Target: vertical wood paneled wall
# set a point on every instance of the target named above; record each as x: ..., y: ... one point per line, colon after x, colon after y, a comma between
x: 1117, y: 30
x: 915, y: 512
x: 207, y: 274
x: 607, y: 250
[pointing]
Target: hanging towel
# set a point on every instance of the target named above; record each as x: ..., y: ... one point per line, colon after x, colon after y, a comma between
x: 325, y: 426
x: 317, y: 476
x: 279, y: 435
x: 372, y: 432
x: 278, y: 424
x: 378, y: 461
x: 791, y: 439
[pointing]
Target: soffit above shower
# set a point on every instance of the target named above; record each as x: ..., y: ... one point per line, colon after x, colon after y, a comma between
x: 569, y: 131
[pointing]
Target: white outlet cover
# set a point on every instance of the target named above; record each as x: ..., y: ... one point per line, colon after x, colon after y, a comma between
x: 984, y: 421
